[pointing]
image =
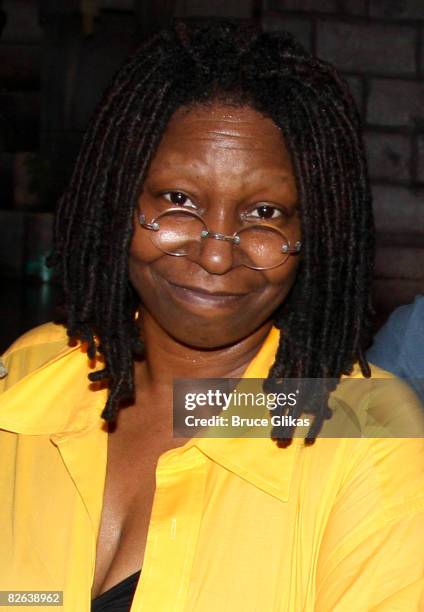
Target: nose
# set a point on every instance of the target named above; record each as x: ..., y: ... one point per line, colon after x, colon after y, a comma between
x: 216, y: 256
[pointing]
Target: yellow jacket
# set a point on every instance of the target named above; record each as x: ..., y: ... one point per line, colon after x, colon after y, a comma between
x: 237, y: 524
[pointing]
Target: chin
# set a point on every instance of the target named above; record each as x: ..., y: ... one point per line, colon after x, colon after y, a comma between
x: 210, y: 334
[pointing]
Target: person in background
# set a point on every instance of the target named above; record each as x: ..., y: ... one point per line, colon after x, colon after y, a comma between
x: 399, y: 345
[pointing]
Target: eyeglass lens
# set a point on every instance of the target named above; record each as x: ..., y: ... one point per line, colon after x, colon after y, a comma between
x: 180, y: 234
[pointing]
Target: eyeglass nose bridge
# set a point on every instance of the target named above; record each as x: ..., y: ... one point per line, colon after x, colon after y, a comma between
x: 219, y: 236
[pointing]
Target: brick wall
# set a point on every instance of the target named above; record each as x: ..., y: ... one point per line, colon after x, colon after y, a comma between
x: 20, y: 59
x: 378, y: 45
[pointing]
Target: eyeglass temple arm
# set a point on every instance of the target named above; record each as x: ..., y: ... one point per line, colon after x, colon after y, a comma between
x: 294, y: 249
x: 142, y: 220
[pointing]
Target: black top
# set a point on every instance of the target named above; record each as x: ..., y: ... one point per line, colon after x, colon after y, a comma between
x: 118, y: 598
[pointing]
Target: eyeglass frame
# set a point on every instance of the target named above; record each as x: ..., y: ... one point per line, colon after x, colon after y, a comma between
x: 235, y: 238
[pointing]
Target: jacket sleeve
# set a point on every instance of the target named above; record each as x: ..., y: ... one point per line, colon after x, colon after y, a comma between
x: 372, y: 552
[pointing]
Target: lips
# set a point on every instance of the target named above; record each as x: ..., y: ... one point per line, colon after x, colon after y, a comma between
x: 207, y: 292
x: 202, y: 296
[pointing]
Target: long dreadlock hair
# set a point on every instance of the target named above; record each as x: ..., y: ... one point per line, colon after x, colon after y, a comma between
x: 326, y: 316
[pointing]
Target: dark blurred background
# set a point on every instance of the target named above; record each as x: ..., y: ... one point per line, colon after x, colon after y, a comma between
x: 57, y: 56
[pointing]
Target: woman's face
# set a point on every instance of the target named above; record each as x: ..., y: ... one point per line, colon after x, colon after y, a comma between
x: 223, y: 162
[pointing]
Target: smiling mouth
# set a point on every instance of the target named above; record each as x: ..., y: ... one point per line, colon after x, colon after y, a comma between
x: 197, y: 295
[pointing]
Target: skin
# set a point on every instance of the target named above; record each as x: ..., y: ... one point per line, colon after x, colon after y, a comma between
x: 227, y: 161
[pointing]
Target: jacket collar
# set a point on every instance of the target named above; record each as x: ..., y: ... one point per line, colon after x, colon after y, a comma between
x: 37, y: 405
x: 257, y: 460
x: 55, y: 398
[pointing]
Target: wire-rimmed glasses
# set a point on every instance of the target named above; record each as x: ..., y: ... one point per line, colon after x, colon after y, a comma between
x: 180, y: 232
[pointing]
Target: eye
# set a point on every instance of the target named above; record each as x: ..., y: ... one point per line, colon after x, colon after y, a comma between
x: 265, y: 212
x: 177, y: 198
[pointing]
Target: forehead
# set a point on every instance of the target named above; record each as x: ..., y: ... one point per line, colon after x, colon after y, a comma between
x: 220, y: 130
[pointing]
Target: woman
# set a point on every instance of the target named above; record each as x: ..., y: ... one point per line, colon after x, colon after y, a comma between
x: 224, y: 129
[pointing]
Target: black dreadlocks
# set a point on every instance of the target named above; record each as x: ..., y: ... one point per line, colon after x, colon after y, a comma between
x: 326, y: 316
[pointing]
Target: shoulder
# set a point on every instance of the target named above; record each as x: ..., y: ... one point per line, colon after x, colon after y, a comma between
x: 401, y: 339
x: 45, y: 389
x: 43, y: 334
x: 31, y: 351
x: 382, y: 406
x: 372, y: 447
x: 405, y: 317
x: 376, y: 421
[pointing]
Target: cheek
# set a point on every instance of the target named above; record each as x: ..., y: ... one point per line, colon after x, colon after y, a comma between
x: 142, y: 250
x: 280, y: 280
x: 142, y: 254
x: 279, y: 283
